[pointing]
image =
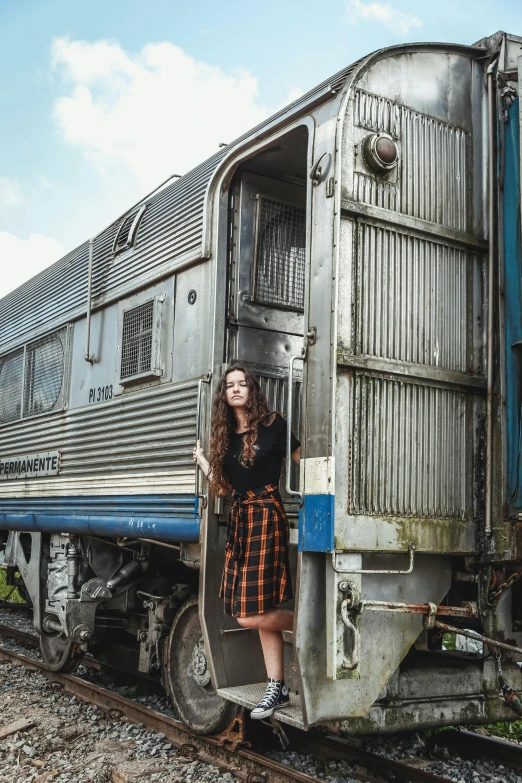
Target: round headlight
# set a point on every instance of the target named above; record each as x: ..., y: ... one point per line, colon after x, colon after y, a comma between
x: 380, y: 152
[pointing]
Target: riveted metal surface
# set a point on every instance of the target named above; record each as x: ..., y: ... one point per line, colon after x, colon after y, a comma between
x: 149, y: 432
x: 409, y: 444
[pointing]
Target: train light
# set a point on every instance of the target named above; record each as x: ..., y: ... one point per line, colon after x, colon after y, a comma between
x: 380, y: 152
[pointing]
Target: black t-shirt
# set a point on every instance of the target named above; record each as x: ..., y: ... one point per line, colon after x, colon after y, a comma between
x: 270, y: 449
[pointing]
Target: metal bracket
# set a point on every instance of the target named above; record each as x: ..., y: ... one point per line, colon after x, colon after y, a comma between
x: 318, y: 169
x: 430, y: 619
x: 411, y: 550
x: 351, y: 662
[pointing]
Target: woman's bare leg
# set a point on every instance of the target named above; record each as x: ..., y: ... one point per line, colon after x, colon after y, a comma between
x: 272, y: 644
x: 270, y: 626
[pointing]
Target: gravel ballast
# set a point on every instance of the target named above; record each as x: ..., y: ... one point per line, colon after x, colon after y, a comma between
x: 74, y: 741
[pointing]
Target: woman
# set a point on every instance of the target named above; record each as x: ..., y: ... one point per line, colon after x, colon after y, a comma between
x: 247, y: 446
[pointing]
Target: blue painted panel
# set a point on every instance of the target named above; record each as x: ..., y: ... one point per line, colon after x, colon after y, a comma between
x: 161, y: 517
x: 513, y: 304
x: 316, y: 523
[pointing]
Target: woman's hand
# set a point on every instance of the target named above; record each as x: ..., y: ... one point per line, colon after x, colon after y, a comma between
x: 198, y: 456
x: 198, y: 453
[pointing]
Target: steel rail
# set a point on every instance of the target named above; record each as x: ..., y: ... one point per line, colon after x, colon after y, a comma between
x: 254, y: 767
x: 259, y: 769
x: 469, y: 745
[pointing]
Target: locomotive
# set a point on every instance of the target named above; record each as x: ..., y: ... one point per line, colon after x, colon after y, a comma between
x: 360, y: 250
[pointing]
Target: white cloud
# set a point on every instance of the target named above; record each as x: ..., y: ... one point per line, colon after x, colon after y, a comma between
x: 21, y: 259
x: 10, y: 192
x: 399, y: 22
x: 156, y: 113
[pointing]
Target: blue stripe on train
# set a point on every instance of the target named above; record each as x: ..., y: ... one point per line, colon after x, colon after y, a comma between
x: 161, y: 517
x: 316, y: 524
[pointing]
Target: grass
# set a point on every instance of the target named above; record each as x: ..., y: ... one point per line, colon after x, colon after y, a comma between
x: 6, y: 591
x: 507, y: 730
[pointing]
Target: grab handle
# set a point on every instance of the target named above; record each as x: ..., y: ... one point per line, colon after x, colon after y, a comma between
x: 199, y: 409
x: 351, y: 661
x: 289, y: 416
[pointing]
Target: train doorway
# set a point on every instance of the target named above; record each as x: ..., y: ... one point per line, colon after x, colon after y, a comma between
x: 267, y: 262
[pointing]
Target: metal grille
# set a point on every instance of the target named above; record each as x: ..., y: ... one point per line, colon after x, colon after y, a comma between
x: 11, y: 375
x: 123, y: 233
x: 280, y: 259
x: 45, y: 374
x: 136, y: 349
x: 127, y: 232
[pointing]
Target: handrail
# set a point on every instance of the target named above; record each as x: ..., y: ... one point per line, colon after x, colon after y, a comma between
x: 199, y: 408
x: 88, y: 356
x: 411, y: 550
x: 289, y: 416
x: 492, y: 129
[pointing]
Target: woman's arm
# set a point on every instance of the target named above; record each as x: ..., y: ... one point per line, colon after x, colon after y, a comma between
x: 296, y: 455
x: 199, y: 456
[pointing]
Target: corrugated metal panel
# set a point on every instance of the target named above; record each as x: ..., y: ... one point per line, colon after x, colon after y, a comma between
x: 409, y: 450
x: 372, y: 191
x: 433, y: 167
x: 375, y: 113
x: 138, y: 434
x: 413, y: 300
x: 171, y: 226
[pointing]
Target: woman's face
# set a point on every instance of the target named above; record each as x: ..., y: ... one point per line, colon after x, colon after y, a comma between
x: 237, y: 390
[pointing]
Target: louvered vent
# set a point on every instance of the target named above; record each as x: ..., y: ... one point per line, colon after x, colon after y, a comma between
x: 44, y: 390
x: 140, y: 341
x: 280, y: 255
x: 11, y: 374
x: 128, y: 231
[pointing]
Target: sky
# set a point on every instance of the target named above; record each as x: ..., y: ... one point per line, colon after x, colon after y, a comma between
x: 102, y: 101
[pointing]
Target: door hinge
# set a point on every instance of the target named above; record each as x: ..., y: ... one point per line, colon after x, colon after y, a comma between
x: 311, y: 335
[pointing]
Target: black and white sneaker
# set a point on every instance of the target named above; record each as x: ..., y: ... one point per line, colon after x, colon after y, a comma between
x: 276, y: 696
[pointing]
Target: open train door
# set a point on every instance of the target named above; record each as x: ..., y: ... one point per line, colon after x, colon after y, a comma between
x: 267, y: 233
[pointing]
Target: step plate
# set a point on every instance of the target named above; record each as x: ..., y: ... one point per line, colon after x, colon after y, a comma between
x: 249, y: 696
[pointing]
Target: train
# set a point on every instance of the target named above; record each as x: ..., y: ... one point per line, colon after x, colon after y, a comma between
x: 360, y: 251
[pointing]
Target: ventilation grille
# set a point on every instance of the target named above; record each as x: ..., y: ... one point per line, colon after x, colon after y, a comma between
x: 11, y: 375
x: 138, y: 340
x: 280, y: 257
x: 45, y: 374
x: 128, y: 230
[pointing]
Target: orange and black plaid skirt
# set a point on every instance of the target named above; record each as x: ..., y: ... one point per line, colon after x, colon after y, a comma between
x: 256, y: 576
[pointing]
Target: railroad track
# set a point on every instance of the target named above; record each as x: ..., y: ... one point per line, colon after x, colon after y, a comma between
x: 254, y: 767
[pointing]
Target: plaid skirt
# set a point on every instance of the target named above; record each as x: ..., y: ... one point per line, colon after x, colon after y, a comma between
x: 256, y: 576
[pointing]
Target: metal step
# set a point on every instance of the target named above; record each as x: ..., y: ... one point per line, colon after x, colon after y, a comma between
x: 250, y: 695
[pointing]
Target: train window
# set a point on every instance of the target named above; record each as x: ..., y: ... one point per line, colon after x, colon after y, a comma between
x: 44, y: 379
x: 140, y: 341
x: 280, y: 254
x: 128, y: 231
x: 11, y: 374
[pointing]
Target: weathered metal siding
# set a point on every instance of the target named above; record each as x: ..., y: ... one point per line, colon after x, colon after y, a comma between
x: 410, y: 455
x: 146, y: 434
x: 412, y: 311
x: 433, y: 181
x: 414, y: 299
x: 172, y: 227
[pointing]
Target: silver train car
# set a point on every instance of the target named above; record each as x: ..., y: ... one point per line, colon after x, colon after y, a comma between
x: 361, y: 251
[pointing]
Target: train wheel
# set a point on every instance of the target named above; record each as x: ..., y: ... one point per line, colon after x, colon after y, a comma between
x: 60, y: 653
x: 188, y: 678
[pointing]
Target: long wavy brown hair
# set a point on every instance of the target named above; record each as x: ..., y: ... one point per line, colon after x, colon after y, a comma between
x: 224, y: 426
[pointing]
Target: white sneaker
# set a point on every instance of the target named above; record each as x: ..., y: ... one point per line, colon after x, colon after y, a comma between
x: 276, y: 696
